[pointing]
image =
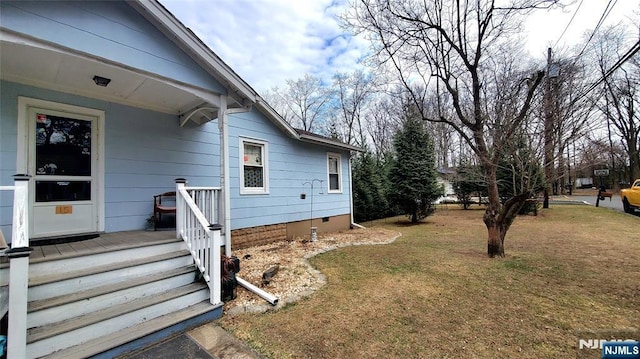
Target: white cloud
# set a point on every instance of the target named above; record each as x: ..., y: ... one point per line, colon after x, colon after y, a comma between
x: 269, y: 41
x: 544, y: 28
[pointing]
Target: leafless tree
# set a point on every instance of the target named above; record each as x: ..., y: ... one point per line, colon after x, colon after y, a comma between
x: 464, y: 51
x: 570, y: 114
x: 354, y: 92
x: 620, y: 96
x: 382, y: 124
x: 303, y: 103
x: 446, y: 141
x: 275, y: 97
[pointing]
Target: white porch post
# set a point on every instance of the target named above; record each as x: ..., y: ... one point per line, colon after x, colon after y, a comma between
x: 214, y: 265
x: 19, y: 269
x: 224, y: 176
x: 180, y: 210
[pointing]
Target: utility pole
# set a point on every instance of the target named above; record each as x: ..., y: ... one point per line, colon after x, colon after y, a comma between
x: 548, y: 133
x: 569, y: 170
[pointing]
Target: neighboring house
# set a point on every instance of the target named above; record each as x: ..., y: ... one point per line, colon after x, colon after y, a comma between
x: 445, y: 179
x: 105, y: 103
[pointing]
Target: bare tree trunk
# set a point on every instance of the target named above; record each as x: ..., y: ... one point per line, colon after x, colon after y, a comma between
x: 634, y: 160
x: 495, y: 240
x: 499, y: 217
x: 562, y: 168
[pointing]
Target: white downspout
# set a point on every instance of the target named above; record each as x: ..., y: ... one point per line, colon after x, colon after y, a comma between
x: 224, y: 175
x: 353, y: 223
x: 224, y: 146
x: 224, y: 179
x: 223, y: 127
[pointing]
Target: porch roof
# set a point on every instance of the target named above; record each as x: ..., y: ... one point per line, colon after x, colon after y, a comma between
x: 241, y: 91
x: 40, y: 63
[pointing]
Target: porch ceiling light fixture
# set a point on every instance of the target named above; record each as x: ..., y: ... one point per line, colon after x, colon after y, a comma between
x: 101, y: 81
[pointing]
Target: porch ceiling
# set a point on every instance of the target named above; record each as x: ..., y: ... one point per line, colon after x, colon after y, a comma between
x: 73, y: 73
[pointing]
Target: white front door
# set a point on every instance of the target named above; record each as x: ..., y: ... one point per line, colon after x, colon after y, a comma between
x: 63, y: 161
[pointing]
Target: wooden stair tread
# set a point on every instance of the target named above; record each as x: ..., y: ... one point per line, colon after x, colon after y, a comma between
x: 50, y: 330
x: 36, y: 305
x: 116, y: 246
x: 125, y: 305
x: 101, y: 344
x: 39, y: 280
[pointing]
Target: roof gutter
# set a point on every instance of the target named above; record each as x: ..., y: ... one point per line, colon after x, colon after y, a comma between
x: 328, y: 142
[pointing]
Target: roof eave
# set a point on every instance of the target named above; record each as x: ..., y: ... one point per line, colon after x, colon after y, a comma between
x: 155, y: 12
x: 329, y: 143
x: 268, y: 111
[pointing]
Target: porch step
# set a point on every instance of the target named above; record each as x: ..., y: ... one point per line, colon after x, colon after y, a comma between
x: 72, y: 262
x: 69, y: 262
x: 90, y: 278
x: 94, y: 269
x: 83, y: 305
x: 47, y: 311
x: 42, y: 304
x: 69, y: 325
x: 203, y: 310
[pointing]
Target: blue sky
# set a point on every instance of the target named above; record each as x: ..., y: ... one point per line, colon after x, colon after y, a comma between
x: 269, y: 41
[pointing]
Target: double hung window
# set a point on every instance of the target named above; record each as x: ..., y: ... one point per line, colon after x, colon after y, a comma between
x: 255, y: 175
x: 334, y: 167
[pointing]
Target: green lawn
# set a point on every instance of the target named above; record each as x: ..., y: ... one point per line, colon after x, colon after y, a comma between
x: 435, y: 294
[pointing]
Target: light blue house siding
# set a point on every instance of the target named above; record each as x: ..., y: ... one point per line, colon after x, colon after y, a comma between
x: 145, y: 152
x: 291, y: 163
x: 106, y: 29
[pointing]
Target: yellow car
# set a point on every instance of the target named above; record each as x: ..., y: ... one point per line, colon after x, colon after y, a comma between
x: 631, y: 197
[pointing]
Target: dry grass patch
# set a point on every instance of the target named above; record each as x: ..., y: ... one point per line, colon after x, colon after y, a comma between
x: 433, y: 293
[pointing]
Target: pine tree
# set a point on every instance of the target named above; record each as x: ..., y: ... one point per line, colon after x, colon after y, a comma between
x: 413, y: 172
x: 369, y: 197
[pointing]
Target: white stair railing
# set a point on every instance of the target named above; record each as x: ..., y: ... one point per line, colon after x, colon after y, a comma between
x: 18, y: 268
x: 196, y: 208
x: 208, y: 201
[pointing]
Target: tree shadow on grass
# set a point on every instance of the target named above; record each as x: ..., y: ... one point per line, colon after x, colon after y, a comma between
x: 408, y: 223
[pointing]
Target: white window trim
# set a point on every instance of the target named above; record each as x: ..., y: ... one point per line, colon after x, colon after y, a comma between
x: 339, y: 157
x: 265, y: 166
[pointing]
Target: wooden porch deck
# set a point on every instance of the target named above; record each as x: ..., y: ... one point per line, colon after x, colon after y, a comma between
x: 106, y: 242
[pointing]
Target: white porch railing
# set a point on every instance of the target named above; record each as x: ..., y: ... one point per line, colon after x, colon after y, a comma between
x: 196, y: 209
x: 18, y: 269
x: 208, y: 201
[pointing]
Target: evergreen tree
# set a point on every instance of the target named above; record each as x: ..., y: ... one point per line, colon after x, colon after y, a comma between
x: 469, y: 183
x: 369, y: 188
x: 413, y: 171
x: 364, y: 188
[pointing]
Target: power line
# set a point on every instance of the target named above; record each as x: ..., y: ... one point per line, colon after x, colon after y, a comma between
x: 570, y: 21
x: 605, y: 13
x: 624, y: 58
